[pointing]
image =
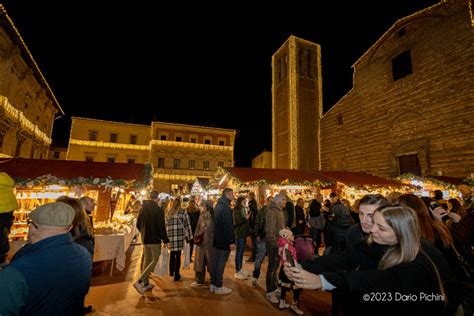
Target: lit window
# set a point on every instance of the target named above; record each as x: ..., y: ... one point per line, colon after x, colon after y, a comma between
x: 192, y: 164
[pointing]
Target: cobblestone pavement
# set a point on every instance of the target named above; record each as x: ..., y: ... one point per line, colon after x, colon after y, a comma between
x: 115, y: 295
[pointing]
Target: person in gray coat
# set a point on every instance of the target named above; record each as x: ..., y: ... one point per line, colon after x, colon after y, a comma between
x: 203, y: 256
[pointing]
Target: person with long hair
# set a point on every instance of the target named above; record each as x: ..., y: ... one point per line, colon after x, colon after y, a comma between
x: 203, y: 256
x: 241, y: 214
x: 178, y: 229
x: 411, y: 278
x: 82, y: 232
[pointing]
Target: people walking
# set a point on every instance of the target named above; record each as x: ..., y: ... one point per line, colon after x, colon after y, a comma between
x: 151, y: 224
x: 224, y: 241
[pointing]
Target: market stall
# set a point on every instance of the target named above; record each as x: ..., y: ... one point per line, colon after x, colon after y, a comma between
x: 354, y: 185
x: 305, y: 184
x: 448, y: 185
x: 109, y: 184
x: 265, y: 182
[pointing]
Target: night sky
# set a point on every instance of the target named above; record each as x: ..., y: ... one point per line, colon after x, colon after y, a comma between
x: 191, y: 64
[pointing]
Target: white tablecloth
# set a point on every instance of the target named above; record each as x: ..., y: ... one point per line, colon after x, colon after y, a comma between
x: 109, y: 247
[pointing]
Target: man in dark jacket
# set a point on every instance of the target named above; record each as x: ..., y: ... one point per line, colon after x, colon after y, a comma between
x: 151, y: 224
x: 224, y: 241
x: 50, y: 275
x: 253, y: 206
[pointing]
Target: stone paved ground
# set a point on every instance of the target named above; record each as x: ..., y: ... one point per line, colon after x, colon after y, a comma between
x: 115, y: 295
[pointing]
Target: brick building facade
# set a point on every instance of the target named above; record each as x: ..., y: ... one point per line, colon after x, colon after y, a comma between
x: 411, y: 107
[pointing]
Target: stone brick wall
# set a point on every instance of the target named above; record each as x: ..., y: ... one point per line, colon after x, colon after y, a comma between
x: 429, y: 113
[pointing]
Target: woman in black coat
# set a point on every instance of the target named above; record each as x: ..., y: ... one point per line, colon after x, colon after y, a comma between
x: 411, y: 279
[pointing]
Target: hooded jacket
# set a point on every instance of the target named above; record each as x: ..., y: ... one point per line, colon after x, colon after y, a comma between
x: 7, y: 198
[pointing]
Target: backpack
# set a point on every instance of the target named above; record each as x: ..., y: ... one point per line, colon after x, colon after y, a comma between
x: 304, y: 245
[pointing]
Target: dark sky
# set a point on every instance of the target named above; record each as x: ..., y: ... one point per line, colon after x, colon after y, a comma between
x: 192, y: 64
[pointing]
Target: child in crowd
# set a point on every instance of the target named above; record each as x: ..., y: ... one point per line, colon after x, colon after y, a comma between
x: 287, y: 252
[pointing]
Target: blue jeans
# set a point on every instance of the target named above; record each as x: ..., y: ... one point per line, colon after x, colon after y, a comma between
x: 261, y: 252
x: 239, y: 253
x: 218, y: 265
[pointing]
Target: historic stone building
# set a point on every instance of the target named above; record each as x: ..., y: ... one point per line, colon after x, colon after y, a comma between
x: 27, y: 104
x: 411, y: 108
x: 296, y: 104
x: 263, y: 160
x: 179, y: 153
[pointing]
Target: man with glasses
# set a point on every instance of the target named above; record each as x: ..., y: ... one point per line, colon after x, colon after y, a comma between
x: 51, y: 274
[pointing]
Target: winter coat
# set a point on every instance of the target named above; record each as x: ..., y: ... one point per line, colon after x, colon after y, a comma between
x: 8, y: 201
x: 299, y: 229
x: 151, y: 223
x: 408, y: 279
x: 253, y: 206
x: 178, y: 227
x: 223, y: 225
x: 204, y: 251
x: 275, y: 221
x: 241, y: 224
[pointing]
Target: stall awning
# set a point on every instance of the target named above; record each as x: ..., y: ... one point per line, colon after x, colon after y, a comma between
x: 74, y: 172
x: 358, y: 179
x: 251, y: 176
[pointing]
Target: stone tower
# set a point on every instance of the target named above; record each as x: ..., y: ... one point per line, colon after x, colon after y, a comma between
x: 296, y: 105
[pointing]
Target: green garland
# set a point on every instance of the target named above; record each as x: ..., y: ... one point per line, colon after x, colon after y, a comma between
x: 107, y: 182
x: 436, y: 182
x: 246, y: 185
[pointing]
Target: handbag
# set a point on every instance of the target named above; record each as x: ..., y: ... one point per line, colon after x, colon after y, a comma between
x: 198, y: 239
x: 464, y: 270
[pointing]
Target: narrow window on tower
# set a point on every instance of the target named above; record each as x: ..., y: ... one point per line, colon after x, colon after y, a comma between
x: 340, y: 119
x: 278, y: 70
x: 310, y: 64
x: 401, y: 65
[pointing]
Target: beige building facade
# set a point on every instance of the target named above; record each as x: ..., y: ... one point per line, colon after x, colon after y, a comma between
x: 28, y: 106
x: 107, y: 141
x: 411, y: 107
x: 263, y: 160
x: 179, y: 153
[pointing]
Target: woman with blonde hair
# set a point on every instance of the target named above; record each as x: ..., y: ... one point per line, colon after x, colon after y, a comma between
x: 178, y: 229
x: 411, y: 277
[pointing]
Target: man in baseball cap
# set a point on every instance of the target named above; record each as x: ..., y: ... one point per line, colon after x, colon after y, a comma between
x: 50, y: 275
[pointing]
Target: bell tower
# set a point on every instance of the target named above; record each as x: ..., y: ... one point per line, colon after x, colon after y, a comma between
x: 297, y: 104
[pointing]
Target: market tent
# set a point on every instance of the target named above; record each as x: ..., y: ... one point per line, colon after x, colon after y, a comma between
x: 359, y: 179
x: 27, y: 170
x: 251, y: 176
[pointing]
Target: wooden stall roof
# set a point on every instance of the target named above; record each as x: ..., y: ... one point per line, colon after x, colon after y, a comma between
x: 357, y: 179
x: 354, y: 179
x: 249, y: 175
x: 67, y: 169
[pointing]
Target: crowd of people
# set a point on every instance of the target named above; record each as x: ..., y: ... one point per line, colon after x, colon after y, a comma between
x: 397, y: 254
